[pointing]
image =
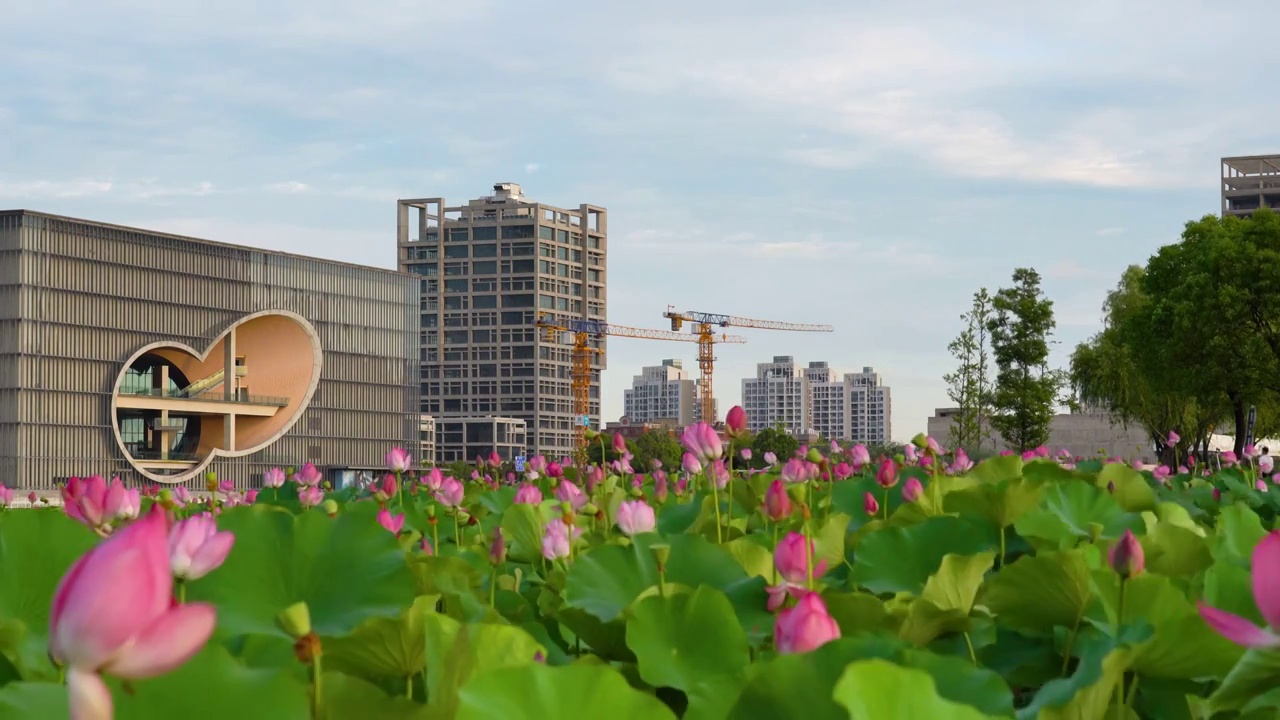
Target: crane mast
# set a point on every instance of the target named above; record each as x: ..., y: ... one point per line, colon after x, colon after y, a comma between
x: 703, y: 326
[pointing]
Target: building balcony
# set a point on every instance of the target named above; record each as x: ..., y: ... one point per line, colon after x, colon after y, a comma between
x: 212, y: 402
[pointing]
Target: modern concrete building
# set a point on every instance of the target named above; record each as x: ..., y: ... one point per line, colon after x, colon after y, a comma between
x: 1082, y: 434
x: 816, y: 401
x: 488, y: 267
x: 157, y: 357
x: 464, y: 439
x: 777, y: 395
x: 1250, y: 182
x: 662, y: 394
x: 856, y: 407
x: 427, y: 440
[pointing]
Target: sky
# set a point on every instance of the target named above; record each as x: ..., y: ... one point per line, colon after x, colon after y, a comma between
x: 864, y: 165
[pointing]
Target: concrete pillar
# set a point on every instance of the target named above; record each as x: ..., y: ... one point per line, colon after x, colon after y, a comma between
x: 164, y: 433
x: 229, y: 365
x: 164, y: 380
x: 229, y: 430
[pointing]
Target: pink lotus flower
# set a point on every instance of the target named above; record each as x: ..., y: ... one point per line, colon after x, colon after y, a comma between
x: 720, y: 473
x: 1182, y: 470
x: 97, y: 504
x: 770, y: 459
x: 310, y: 496
x: 273, y: 478
x: 961, y: 463
x: 450, y: 493
x: 745, y: 454
x: 1260, y: 485
x: 528, y: 495
x: 1217, y: 494
x: 1172, y: 438
x: 555, y: 470
x: 393, y: 523
x: 909, y: 451
x: 1162, y: 473
x: 843, y: 470
x: 567, y: 492
x: 1266, y: 595
x: 805, y: 627
x: 933, y: 447
x: 1266, y: 464
x: 702, y: 441
x: 791, y: 558
x: 495, y: 460
x: 736, y: 421
x: 182, y: 495
x: 308, y: 476
x: 385, y: 489
x: 114, y: 613
x: 595, y: 476
x: 1229, y: 458
x: 912, y: 490
x: 777, y: 503
x: 399, y: 460
x: 690, y: 464
x: 859, y: 456
x: 1126, y: 556
x: 1028, y: 455
x: 887, y: 474
x: 431, y: 479
x: 33, y: 498
x: 660, y: 487
x: 793, y: 471
x: 425, y: 546
x: 636, y: 517
x: 196, y: 548
x: 619, y: 443
x: 556, y: 541
x: 6, y: 496
x: 869, y: 505
x: 251, y: 497
x: 226, y: 486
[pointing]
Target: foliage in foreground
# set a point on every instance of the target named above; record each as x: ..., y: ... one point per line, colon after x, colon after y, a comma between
x: 989, y: 595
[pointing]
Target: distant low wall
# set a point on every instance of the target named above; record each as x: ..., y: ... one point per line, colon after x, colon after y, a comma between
x: 1082, y: 435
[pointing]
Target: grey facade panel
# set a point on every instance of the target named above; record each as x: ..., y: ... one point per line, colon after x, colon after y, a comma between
x: 88, y: 296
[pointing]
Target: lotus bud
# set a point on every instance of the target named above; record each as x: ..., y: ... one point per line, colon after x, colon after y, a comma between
x: 211, y: 481
x: 498, y: 548
x: 1126, y: 556
x: 330, y: 506
x: 589, y: 509
x: 813, y: 456
x: 921, y: 441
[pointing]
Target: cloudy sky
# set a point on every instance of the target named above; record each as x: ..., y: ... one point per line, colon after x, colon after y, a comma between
x: 867, y: 165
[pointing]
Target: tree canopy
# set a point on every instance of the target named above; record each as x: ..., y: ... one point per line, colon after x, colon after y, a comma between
x: 1026, y: 389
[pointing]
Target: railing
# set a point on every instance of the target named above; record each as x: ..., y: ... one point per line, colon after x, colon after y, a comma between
x: 212, y: 396
x: 150, y: 455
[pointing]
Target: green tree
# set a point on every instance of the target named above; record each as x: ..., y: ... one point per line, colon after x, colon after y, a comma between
x: 1026, y: 389
x: 1213, y: 307
x: 775, y: 440
x: 969, y: 386
x: 1118, y: 370
x: 655, y: 443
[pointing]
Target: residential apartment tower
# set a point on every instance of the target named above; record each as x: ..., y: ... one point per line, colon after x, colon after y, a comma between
x: 488, y: 267
x: 815, y: 400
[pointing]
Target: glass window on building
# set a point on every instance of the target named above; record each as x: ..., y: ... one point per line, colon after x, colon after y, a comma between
x: 484, y: 251
x: 484, y: 233
x: 546, y: 233
x: 456, y: 286
x: 457, y: 251
x: 459, y: 235
x: 485, y: 267
x: 517, y: 231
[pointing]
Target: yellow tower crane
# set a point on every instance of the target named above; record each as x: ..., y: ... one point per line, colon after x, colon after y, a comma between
x: 706, y: 337
x: 583, y: 332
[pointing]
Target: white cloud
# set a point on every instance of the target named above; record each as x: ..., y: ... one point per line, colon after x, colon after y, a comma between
x: 531, y: 168
x: 289, y: 188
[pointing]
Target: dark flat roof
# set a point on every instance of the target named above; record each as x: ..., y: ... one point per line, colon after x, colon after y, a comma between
x: 202, y: 241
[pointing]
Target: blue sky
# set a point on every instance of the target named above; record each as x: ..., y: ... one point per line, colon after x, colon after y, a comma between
x: 867, y: 165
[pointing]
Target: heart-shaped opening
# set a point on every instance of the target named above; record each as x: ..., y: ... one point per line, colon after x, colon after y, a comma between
x: 174, y: 408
